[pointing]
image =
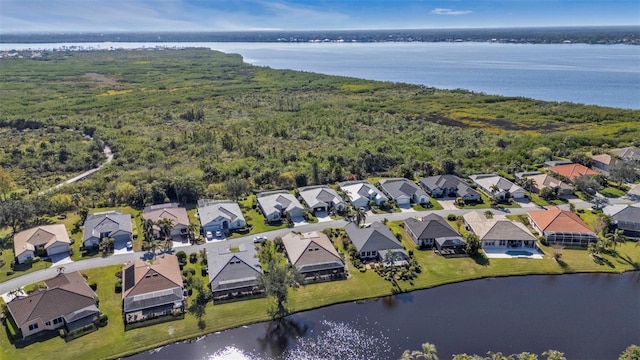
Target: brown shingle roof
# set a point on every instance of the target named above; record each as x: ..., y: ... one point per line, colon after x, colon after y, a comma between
x: 557, y: 220
x: 177, y: 214
x: 45, y: 235
x: 142, y: 277
x: 298, y: 245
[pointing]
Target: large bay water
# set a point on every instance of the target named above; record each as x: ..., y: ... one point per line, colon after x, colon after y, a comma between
x: 606, y: 75
x: 587, y: 316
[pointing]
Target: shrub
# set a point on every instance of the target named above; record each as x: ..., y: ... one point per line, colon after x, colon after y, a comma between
x: 118, y: 287
x: 102, y: 321
x: 119, y: 274
x: 10, y: 272
x: 93, y: 286
x: 451, y: 217
x: 62, y: 332
x: 193, y: 258
x: 181, y: 255
x: 35, y: 259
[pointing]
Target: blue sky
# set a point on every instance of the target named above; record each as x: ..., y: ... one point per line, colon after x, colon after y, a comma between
x: 233, y: 15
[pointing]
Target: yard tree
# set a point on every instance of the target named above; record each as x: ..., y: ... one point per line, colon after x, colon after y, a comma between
x: 361, y: 215
x: 236, y: 187
x: 448, y: 166
x: 278, y: 277
x: 473, y: 243
x: 617, y: 236
x: 554, y: 355
x: 622, y: 172
x: 62, y: 202
x: 165, y: 225
x: 587, y: 184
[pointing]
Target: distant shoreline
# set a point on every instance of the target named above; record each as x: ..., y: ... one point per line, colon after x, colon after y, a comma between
x: 605, y: 35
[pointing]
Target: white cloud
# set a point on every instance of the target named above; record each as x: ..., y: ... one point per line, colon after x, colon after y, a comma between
x: 441, y: 11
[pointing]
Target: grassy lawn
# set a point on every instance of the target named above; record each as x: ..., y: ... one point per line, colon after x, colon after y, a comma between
x: 113, y: 341
x: 435, y: 205
x: 485, y: 203
x: 589, y: 217
x: 7, y: 257
x: 542, y: 202
x: 612, y: 192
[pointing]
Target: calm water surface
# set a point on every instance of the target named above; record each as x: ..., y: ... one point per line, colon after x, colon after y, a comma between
x: 587, y: 316
x: 607, y: 75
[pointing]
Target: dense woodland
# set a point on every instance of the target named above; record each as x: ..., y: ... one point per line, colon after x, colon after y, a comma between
x: 190, y: 123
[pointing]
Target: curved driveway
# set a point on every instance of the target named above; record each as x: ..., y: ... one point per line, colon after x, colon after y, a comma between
x: 44, y: 274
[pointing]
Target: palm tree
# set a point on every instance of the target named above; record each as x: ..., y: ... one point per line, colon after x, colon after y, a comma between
x: 60, y: 269
x: 191, y: 233
x: 429, y: 351
x: 527, y: 183
x: 616, y: 237
x: 106, y: 245
x: 554, y: 355
x: 361, y: 215
x: 494, y: 190
x: 165, y: 225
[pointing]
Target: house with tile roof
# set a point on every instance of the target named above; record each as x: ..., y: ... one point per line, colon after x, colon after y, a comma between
x: 45, y: 240
x: 360, y: 192
x: 625, y: 218
x: 499, y: 232
x: 220, y: 215
x: 151, y: 290
x: 113, y: 224
x: 572, y: 171
x: 561, y: 227
x: 275, y: 204
x: 449, y: 185
x: 321, y: 198
x: 542, y: 181
x: 66, y: 302
x: 373, y: 241
x: 433, y: 231
x: 314, y: 255
x: 403, y: 191
x: 498, y: 187
x: 175, y: 213
x: 234, y: 273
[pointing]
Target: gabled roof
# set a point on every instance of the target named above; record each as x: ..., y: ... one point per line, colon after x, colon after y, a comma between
x: 556, y: 220
x: 310, y: 248
x: 627, y: 153
x: 143, y: 277
x: 572, y: 171
x: 210, y: 210
x: 360, y: 189
x: 106, y: 222
x: 66, y: 295
x: 397, y: 187
x: 547, y: 181
x: 178, y: 215
x: 605, y: 159
x: 46, y: 235
x: 230, y: 270
x: 487, y: 181
x: 375, y: 237
x: 278, y: 201
x: 623, y: 213
x: 319, y: 195
x: 448, y: 182
x: 497, y: 228
x: 431, y: 226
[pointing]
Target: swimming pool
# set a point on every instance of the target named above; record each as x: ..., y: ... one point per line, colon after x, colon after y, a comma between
x: 518, y: 253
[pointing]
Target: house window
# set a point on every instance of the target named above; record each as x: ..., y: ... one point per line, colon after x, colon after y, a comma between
x: 489, y: 243
x: 48, y: 323
x: 57, y: 321
x: 33, y: 326
x: 503, y: 242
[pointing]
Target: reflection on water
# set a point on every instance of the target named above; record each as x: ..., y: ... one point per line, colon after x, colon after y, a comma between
x: 335, y: 340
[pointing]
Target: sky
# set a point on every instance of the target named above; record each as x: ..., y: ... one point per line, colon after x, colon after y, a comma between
x: 37, y: 16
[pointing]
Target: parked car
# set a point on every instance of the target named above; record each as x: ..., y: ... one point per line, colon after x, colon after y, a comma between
x: 218, y: 233
x: 259, y: 239
x: 209, y: 235
x: 129, y: 245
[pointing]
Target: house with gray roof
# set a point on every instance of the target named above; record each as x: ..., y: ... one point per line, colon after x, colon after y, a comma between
x: 321, y: 198
x: 113, y: 224
x: 449, y: 185
x: 499, y: 232
x: 374, y: 241
x: 360, y: 192
x: 433, y: 231
x: 403, y: 191
x: 625, y: 218
x: 498, y: 187
x: 172, y: 211
x: 151, y: 290
x: 67, y: 302
x: 314, y: 255
x: 275, y: 204
x: 627, y: 154
x: 234, y: 272
x: 220, y: 215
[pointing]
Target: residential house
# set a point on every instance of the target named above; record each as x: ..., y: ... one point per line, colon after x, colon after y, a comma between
x: 561, y: 227
x: 449, y: 185
x: 627, y: 154
x: 432, y: 231
x: 625, y: 218
x: 220, y: 215
x: 498, y: 187
x: 572, y: 171
x: 499, y: 232
x: 548, y: 164
x: 67, y: 302
x: 314, y: 255
x: 45, y: 240
x: 177, y: 215
x: 403, y: 191
x: 374, y: 241
x: 151, y: 290
x: 603, y: 162
x: 234, y: 272
x: 360, y: 192
x: 321, y: 198
x: 113, y: 224
x: 634, y: 192
x: 275, y: 204
x: 542, y: 180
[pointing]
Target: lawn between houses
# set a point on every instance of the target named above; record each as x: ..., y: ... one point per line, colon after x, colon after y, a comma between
x: 112, y: 341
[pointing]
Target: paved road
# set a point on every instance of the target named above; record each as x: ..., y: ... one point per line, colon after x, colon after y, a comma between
x: 40, y: 275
